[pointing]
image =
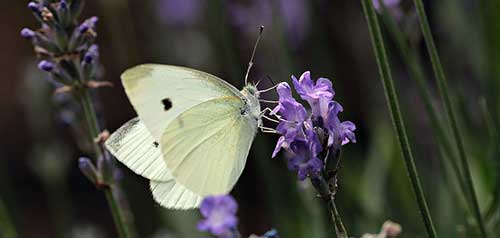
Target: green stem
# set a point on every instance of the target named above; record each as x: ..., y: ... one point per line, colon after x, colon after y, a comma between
x: 445, y: 97
x: 93, y: 126
x: 392, y: 100
x: 417, y: 74
x: 7, y: 228
x: 339, y: 225
x: 491, y: 128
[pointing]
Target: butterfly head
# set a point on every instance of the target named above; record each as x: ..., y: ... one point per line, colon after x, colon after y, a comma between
x: 252, y: 104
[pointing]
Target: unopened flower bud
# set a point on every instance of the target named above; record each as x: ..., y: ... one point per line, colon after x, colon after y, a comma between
x: 28, y: 33
x: 34, y: 7
x: 46, y: 66
x: 88, y: 169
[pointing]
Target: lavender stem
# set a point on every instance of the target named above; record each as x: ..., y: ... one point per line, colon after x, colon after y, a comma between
x: 93, y: 126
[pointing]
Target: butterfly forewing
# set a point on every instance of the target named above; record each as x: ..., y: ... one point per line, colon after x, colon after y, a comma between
x: 206, y: 146
x: 159, y: 93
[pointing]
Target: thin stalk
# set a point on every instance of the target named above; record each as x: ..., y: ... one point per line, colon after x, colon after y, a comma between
x: 417, y: 74
x: 337, y: 220
x: 392, y: 101
x: 327, y: 193
x: 445, y: 97
x: 6, y: 225
x: 93, y: 126
x: 491, y: 128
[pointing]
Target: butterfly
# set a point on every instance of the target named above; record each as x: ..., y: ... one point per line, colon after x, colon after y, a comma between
x: 193, y: 132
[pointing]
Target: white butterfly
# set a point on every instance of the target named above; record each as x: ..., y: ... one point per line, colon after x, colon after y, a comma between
x: 192, y: 135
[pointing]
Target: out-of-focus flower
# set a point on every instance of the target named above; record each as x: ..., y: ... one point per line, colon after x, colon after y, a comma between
x: 393, y: 6
x: 294, y: 15
x: 60, y: 40
x: 219, y: 213
x: 27, y: 33
x: 389, y: 230
x: 46, y: 65
x: 179, y: 12
x: 306, y: 136
x: 92, y: 54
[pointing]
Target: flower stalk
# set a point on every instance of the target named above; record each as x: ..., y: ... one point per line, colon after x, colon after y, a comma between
x: 446, y: 99
x: 93, y: 126
x: 417, y: 74
x: 397, y: 118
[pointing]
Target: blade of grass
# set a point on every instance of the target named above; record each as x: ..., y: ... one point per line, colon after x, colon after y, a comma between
x: 417, y: 73
x: 445, y: 97
x: 491, y: 128
x: 392, y: 101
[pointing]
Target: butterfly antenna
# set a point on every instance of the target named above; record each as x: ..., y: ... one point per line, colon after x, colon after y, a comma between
x: 250, y: 64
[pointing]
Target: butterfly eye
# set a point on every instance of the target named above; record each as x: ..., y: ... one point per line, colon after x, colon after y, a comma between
x: 167, y: 104
x: 243, y: 111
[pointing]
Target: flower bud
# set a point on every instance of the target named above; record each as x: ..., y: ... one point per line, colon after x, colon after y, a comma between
x: 46, y: 66
x: 27, y: 33
x: 88, y: 169
x: 34, y: 7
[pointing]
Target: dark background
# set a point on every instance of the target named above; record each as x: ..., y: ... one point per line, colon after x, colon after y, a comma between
x: 45, y: 194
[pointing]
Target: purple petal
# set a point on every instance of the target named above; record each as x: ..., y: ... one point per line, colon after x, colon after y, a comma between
x: 284, y: 91
x: 278, y: 146
x: 207, y: 205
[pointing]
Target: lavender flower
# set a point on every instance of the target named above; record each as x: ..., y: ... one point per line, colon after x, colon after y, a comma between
x: 308, y: 136
x: 60, y: 38
x: 219, y: 213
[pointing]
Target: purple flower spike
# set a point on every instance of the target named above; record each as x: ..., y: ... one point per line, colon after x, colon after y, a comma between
x: 219, y: 213
x: 27, y: 33
x: 46, y: 66
x: 306, y: 137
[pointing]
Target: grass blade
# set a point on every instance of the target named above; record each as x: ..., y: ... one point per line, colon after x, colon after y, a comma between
x: 445, y: 97
x: 392, y: 100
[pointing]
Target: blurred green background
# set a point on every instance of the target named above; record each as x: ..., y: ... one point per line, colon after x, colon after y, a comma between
x: 45, y: 195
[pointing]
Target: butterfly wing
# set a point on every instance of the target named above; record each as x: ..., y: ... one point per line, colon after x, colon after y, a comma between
x: 206, y: 146
x: 133, y: 145
x: 159, y: 93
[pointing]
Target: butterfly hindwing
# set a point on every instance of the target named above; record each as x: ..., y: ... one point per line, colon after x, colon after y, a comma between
x: 206, y: 146
x: 133, y: 145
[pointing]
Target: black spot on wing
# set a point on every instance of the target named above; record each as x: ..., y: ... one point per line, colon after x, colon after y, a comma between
x: 167, y: 104
x: 156, y: 144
